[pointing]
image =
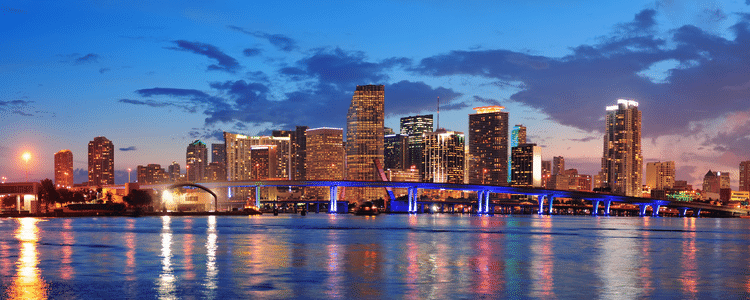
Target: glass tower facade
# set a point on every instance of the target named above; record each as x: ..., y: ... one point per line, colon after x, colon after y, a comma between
x: 622, y: 161
x: 364, y: 140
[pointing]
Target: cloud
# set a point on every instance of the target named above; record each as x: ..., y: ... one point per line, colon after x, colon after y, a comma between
x: 131, y: 148
x: 18, y: 112
x: 102, y: 70
x: 251, y: 52
x: 406, y: 97
x: 586, y: 139
x: 80, y: 175
x: 88, y: 58
x: 18, y: 107
x: 224, y: 62
x: 280, y: 41
x: 574, y: 90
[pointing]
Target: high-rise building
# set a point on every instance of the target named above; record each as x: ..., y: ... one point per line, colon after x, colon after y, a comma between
x: 196, y: 160
x: 660, y: 175
x: 622, y: 161
x: 174, y: 171
x: 299, y: 153
x: 415, y: 127
x: 488, y: 146
x: 218, y: 153
x: 101, y: 162
x: 526, y: 170
x: 396, y: 152
x: 546, y: 172
x: 745, y: 176
x: 263, y: 162
x: 325, y: 149
x: 517, y: 137
x: 151, y: 174
x: 558, y: 165
x: 64, y: 168
x: 444, y: 156
x: 216, y: 171
x: 364, y: 139
x: 239, y: 155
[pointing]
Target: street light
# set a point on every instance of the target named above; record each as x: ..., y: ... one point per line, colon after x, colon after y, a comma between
x: 26, y: 156
x: 129, y: 175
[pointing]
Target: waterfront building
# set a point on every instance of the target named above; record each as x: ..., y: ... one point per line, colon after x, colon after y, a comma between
x: 196, y: 160
x: 546, y: 173
x: 444, y: 156
x: 101, y: 162
x: 216, y: 171
x: 517, y: 137
x: 151, y: 174
x: 660, y: 175
x: 526, y: 168
x: 745, y: 176
x: 64, y: 168
x: 364, y: 139
x: 174, y: 171
x: 238, y: 150
x: 713, y: 182
x: 263, y: 162
x: 622, y: 160
x: 219, y: 153
x: 488, y: 146
x: 299, y: 153
x: 415, y: 127
x: 325, y: 149
x: 396, y: 151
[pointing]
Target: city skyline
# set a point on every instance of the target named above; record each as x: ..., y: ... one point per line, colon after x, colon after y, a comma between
x: 203, y: 70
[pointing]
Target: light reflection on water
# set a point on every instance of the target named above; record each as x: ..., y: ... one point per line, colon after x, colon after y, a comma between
x: 324, y: 256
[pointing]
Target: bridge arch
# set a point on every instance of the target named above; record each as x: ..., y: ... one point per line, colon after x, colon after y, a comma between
x: 184, y: 184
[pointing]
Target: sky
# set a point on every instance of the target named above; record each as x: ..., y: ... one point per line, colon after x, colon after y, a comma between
x: 154, y: 76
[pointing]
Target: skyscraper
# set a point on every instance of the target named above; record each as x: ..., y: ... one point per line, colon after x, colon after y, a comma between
x: 527, y: 166
x: 101, y: 162
x: 219, y: 153
x: 325, y: 160
x: 517, y: 137
x: 238, y: 150
x: 396, y: 152
x: 151, y: 174
x: 488, y: 146
x: 660, y: 175
x: 622, y: 161
x: 364, y: 139
x: 415, y: 127
x: 196, y: 161
x: 299, y: 153
x: 64, y: 168
x: 444, y: 156
x: 174, y: 171
x: 558, y: 165
x: 745, y: 176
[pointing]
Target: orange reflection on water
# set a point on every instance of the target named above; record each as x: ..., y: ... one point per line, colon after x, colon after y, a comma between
x: 644, y: 271
x: 66, y: 268
x: 5, y: 263
x: 689, y: 277
x: 130, y: 254
x: 28, y: 283
x: 187, y: 250
x: 488, y: 271
x: 412, y: 266
x: 542, y: 263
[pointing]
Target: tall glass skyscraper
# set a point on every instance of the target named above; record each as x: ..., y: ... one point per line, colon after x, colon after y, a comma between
x: 444, y: 156
x: 64, y: 168
x: 517, y: 137
x: 101, y: 162
x: 488, y: 146
x: 196, y: 160
x: 416, y: 127
x: 622, y: 161
x: 364, y: 139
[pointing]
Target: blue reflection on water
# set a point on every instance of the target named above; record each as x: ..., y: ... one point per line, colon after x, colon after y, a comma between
x: 324, y: 256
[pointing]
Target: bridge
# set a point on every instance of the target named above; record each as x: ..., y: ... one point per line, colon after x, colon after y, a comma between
x: 598, y: 200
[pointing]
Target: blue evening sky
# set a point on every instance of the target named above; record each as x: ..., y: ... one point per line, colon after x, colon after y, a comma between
x: 154, y: 76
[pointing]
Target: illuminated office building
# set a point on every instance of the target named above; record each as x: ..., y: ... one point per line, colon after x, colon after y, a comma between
x: 64, y: 168
x: 151, y: 174
x: 660, y: 175
x: 714, y: 182
x: 745, y: 176
x: 444, y: 156
x: 216, y: 171
x: 517, y: 137
x: 364, y: 140
x: 196, y: 160
x: 415, y: 127
x: 101, y: 162
x: 558, y: 165
x: 174, y: 171
x: 396, y: 152
x: 325, y: 153
x: 488, y: 146
x: 239, y: 155
x: 526, y: 170
x: 622, y: 160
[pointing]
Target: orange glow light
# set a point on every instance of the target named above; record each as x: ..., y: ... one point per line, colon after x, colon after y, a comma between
x: 488, y: 109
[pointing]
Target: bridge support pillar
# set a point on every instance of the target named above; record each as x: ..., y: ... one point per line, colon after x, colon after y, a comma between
x: 541, y: 204
x: 257, y: 197
x: 683, y: 211
x: 595, y: 208
x: 607, y: 204
x: 483, y: 199
x: 332, y: 192
x: 551, y: 199
x: 642, y: 211
x: 655, y: 210
x: 698, y: 213
x: 413, y: 195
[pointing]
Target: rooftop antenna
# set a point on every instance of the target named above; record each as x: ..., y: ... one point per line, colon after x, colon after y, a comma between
x: 438, y: 114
